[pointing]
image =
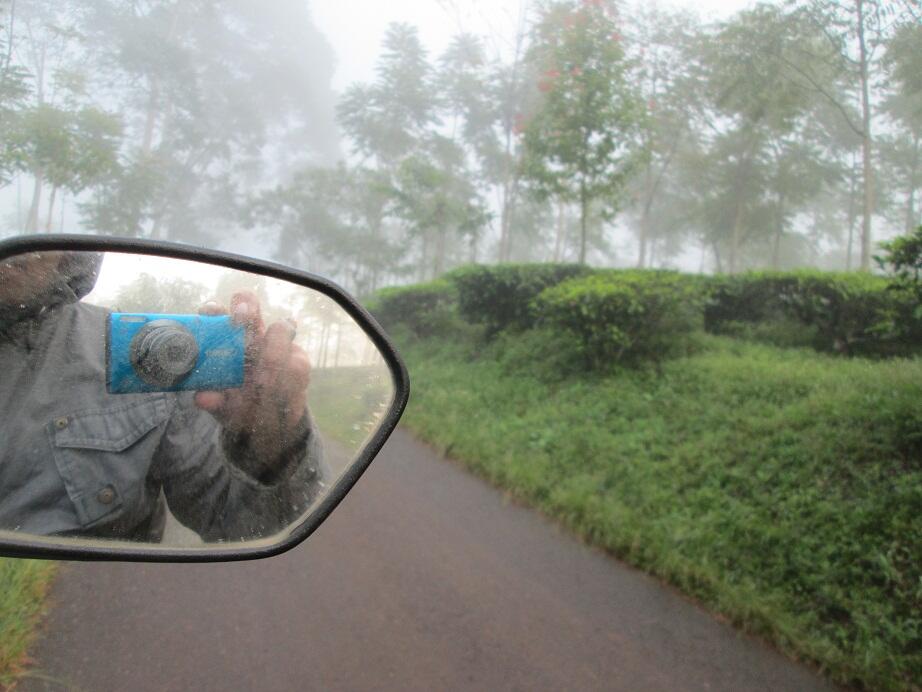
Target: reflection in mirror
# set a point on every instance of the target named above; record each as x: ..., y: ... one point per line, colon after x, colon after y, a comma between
x: 174, y: 403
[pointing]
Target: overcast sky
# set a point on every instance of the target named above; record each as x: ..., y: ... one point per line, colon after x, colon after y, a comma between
x: 355, y: 29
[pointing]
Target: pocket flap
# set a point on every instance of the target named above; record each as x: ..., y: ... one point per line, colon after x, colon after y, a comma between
x: 111, y: 429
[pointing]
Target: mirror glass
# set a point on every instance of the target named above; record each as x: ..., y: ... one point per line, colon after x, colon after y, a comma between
x: 174, y: 403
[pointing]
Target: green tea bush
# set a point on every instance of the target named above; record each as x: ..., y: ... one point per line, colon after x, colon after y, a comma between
x: 501, y: 296
x: 854, y: 314
x: 423, y: 309
x: 902, y: 258
x: 755, y: 297
x: 624, y: 317
x: 847, y: 313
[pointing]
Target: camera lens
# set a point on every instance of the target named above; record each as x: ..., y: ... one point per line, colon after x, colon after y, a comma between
x: 163, y: 353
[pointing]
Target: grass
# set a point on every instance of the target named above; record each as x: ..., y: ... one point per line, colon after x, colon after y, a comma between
x: 24, y: 586
x: 347, y: 402
x: 781, y: 487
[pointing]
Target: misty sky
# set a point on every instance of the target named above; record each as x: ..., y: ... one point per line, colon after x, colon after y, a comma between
x: 355, y: 30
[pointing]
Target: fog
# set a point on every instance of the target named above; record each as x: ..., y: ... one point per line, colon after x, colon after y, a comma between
x: 386, y: 143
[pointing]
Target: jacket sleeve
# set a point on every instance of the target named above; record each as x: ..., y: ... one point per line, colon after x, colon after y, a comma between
x: 211, y: 485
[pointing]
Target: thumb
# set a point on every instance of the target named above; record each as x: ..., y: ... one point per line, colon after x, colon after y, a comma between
x: 209, y: 401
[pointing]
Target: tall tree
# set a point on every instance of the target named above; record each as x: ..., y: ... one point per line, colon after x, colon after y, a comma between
x: 902, y: 148
x: 660, y: 44
x: 855, y: 30
x: 213, y: 101
x: 754, y: 110
x: 438, y: 204
x: 385, y: 119
x: 472, y: 113
x: 584, y: 140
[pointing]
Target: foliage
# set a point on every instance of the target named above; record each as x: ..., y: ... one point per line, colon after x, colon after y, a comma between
x: 346, y: 403
x: 14, y: 88
x: 71, y: 149
x: 24, y: 587
x: 500, y: 296
x: 152, y: 294
x: 856, y: 314
x: 583, y: 141
x: 903, y: 257
x: 437, y: 202
x: 333, y: 220
x: 424, y: 309
x: 623, y: 317
x: 385, y: 119
x: 851, y: 314
x: 780, y: 487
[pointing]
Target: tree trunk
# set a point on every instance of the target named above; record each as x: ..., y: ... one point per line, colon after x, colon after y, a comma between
x: 779, y: 231
x: 642, y: 241
x: 649, y: 190
x: 438, y: 262
x: 561, y: 230
x: 851, y: 217
x: 504, y: 223
x: 735, y: 238
x: 815, y: 238
x: 717, y: 261
x: 20, y: 222
x: 339, y: 341
x: 51, y: 197
x: 868, y: 206
x: 32, y: 220
x: 150, y: 119
x: 424, y: 255
x: 324, y: 345
x: 742, y: 177
x: 583, y: 223
x: 11, y: 26
x: 155, y: 229
x: 911, y: 220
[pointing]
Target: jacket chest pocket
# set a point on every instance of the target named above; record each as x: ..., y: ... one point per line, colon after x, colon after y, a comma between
x: 104, y: 455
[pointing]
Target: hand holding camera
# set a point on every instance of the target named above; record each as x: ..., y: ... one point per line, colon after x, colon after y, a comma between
x: 267, y: 413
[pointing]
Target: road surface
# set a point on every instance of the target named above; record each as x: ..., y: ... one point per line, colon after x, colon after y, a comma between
x: 425, y: 578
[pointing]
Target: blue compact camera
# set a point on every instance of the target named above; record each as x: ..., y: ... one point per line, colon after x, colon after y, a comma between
x: 172, y: 353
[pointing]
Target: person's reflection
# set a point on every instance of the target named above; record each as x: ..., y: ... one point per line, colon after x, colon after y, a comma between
x: 76, y: 460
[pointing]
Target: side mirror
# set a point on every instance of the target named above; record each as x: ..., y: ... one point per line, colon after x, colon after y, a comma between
x: 160, y: 402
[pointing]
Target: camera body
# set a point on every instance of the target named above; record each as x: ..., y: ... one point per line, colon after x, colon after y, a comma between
x: 172, y: 353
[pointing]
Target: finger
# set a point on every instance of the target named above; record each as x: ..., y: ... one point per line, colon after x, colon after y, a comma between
x: 212, y: 308
x: 277, y: 343
x: 246, y: 311
x: 235, y: 411
x: 213, y: 402
x: 298, y: 371
x: 290, y: 390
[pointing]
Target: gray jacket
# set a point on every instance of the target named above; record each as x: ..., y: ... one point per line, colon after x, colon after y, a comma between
x: 77, y: 460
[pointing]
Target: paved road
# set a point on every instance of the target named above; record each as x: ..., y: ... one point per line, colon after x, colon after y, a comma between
x: 423, y: 579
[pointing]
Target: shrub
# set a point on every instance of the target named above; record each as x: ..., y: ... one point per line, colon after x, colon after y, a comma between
x: 902, y: 257
x: 854, y: 314
x: 848, y: 313
x: 748, y: 298
x: 624, y: 316
x: 424, y: 309
x: 501, y: 296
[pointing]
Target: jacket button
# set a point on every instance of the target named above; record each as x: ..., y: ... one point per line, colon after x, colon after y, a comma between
x: 61, y: 423
x: 106, y: 495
